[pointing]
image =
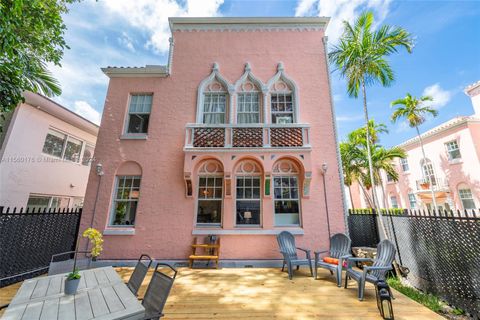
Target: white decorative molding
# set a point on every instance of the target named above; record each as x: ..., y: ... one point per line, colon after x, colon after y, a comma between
x: 170, y: 55
x: 286, y: 167
x: 248, y: 167
x: 244, y: 24
x: 137, y: 72
x: 210, y: 167
x: 281, y: 82
x: 245, y: 231
x: 204, y: 86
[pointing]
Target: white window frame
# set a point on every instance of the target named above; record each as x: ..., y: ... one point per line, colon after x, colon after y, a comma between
x: 285, y: 113
x: 456, y: 147
x: 115, y: 199
x: 259, y: 106
x: 64, y: 146
x: 461, y: 191
x: 127, y: 118
x: 428, y: 171
x: 50, y: 201
x: 259, y: 199
x: 393, y: 203
x: 297, y: 177
x: 412, y: 201
x: 198, y: 199
x: 225, y: 110
x: 403, y: 164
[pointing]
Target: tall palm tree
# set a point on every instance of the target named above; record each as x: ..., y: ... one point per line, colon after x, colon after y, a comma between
x: 415, y: 111
x: 351, y: 165
x: 360, y: 57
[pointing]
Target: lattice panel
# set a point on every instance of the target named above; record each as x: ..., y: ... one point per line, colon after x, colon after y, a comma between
x: 441, y: 251
x: 248, y: 137
x: 28, y: 241
x: 209, y: 137
x: 286, y: 137
x: 363, y: 230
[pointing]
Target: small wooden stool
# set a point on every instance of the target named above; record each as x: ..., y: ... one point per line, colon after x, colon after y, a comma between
x: 210, y: 252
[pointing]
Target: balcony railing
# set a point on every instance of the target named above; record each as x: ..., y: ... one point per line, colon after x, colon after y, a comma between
x: 437, y: 184
x: 247, y: 136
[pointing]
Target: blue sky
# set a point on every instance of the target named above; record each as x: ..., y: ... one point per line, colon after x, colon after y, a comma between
x: 446, y: 57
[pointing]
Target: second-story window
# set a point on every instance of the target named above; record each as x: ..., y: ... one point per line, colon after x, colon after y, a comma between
x: 64, y: 146
x: 404, y: 164
x: 428, y: 172
x: 214, y: 108
x: 248, y: 107
x: 282, y: 107
x: 453, y: 150
x: 389, y: 178
x: 394, y: 202
x: 139, y: 113
x: 412, y: 200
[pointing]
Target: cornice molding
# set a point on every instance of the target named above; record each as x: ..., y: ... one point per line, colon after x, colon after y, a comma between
x: 244, y: 24
x: 147, y: 71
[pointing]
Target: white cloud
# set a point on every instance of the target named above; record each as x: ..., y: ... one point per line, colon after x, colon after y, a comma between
x: 440, y: 96
x: 152, y: 15
x: 126, y: 41
x: 341, y: 10
x: 87, y: 111
x: 402, y: 127
x: 349, y: 118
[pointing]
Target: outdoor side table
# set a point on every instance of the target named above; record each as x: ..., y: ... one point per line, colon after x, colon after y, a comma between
x: 101, y: 295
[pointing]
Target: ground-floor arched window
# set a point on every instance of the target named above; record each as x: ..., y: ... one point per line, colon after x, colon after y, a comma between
x: 210, y: 193
x: 248, y: 194
x: 286, y: 193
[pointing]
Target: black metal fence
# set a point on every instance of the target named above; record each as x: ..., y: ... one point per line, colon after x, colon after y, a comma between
x: 28, y: 239
x: 441, y: 249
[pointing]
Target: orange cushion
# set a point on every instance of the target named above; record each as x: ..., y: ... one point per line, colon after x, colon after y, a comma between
x: 330, y: 260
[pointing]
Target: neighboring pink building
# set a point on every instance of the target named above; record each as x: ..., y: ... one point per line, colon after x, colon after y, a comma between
x: 229, y: 139
x: 46, y: 152
x: 453, y: 162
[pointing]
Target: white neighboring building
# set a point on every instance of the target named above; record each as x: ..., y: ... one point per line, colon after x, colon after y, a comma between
x: 46, y: 153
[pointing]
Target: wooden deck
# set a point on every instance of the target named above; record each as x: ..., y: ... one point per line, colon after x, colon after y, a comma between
x: 262, y: 293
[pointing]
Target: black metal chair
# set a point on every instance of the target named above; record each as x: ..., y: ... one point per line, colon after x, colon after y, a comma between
x: 157, y: 292
x: 139, y: 273
x: 66, y: 261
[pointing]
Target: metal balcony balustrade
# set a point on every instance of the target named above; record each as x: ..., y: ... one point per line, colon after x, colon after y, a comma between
x: 293, y: 135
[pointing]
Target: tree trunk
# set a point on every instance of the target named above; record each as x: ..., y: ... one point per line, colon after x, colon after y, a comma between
x: 385, y: 202
x: 429, y: 176
x: 365, y: 193
x: 351, y: 199
x: 369, y: 155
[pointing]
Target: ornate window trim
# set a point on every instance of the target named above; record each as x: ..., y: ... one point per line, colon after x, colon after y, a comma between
x: 259, y: 87
x: 282, y: 76
x: 229, y: 89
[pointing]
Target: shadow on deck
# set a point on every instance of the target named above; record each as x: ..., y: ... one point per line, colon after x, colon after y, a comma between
x: 266, y: 293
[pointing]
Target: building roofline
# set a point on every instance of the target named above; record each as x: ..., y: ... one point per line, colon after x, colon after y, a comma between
x: 471, y: 87
x: 55, y: 109
x: 320, y: 21
x: 452, y: 123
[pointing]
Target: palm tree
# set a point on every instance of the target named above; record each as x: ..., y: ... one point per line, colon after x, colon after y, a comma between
x: 360, y: 57
x: 415, y: 111
x: 351, y: 165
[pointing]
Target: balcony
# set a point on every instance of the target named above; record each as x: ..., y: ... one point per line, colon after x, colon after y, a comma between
x: 423, y: 185
x: 293, y: 135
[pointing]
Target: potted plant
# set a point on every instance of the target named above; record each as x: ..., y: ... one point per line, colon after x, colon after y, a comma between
x: 72, y: 281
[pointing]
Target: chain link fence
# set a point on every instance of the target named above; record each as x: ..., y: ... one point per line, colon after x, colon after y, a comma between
x: 440, y: 249
x: 28, y: 239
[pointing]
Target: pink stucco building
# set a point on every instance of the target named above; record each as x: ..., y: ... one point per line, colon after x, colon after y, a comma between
x: 453, y: 162
x: 46, y: 152
x: 228, y: 138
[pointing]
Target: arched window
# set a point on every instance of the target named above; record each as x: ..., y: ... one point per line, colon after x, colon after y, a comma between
x: 248, y: 193
x: 428, y: 172
x: 283, y: 98
x: 126, y: 194
x: 286, y: 193
x: 249, y: 97
x: 214, y: 99
x: 466, y: 197
x: 210, y: 193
